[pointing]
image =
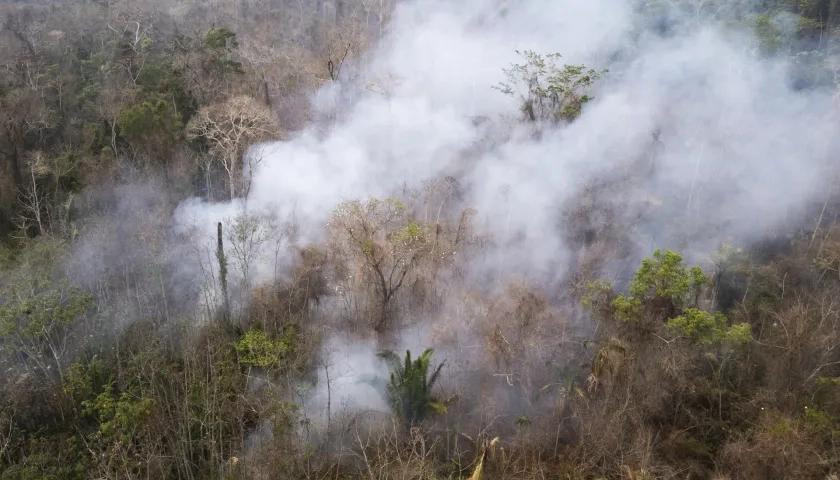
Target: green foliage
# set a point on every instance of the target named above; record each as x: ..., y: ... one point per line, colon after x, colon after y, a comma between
x: 84, y: 380
x: 522, y: 421
x: 180, y: 407
x: 548, y: 92
x: 120, y: 417
x: 33, y: 312
x: 153, y: 78
x: 388, y: 206
x: 257, y: 349
x: 828, y: 381
x: 33, y: 259
x: 50, y: 457
x: 93, y: 71
x: 382, y: 239
x: 662, y: 277
x: 412, y: 233
x: 666, y: 276
x: 594, y: 293
x: 409, y: 390
x: 709, y: 328
x: 376, y: 219
x: 627, y: 308
x: 819, y: 419
x: 664, y: 289
x: 782, y: 428
x: 7, y: 256
x: 220, y: 38
x: 151, y: 124
x: 218, y: 45
x: 769, y: 33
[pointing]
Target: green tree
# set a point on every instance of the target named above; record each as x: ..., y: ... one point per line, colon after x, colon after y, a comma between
x: 256, y: 349
x: 409, y: 389
x: 123, y: 438
x: 664, y: 291
x: 709, y: 328
x: 548, y: 93
x: 208, y: 64
x: 37, y: 321
x: 151, y: 127
x: 662, y: 286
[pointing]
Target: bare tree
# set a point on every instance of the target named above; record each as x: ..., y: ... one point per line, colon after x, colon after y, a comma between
x: 230, y: 128
x: 134, y: 31
x: 264, y: 62
x: 379, y: 240
x: 249, y: 237
x: 33, y: 200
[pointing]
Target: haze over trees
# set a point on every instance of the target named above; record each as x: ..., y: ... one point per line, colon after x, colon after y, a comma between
x: 181, y: 296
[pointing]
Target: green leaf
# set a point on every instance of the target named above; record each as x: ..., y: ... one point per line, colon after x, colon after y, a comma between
x: 409, y: 391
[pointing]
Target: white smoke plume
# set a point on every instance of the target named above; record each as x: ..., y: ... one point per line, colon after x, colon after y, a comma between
x: 730, y: 123
x: 735, y: 151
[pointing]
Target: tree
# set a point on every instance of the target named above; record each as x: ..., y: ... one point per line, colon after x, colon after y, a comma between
x: 257, y: 349
x: 33, y: 202
x: 250, y: 239
x: 229, y: 129
x: 17, y: 109
x: 548, y: 93
x: 208, y: 64
x: 381, y: 241
x: 409, y: 388
x: 151, y: 127
x: 665, y: 291
x: 663, y: 286
x: 133, y: 42
x: 37, y: 321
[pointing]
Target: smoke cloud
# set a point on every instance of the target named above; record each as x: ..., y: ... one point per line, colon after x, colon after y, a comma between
x: 693, y: 136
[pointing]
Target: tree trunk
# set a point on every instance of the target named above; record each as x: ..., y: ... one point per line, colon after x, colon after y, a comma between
x: 232, y: 178
x: 382, y: 314
x: 220, y: 254
x: 266, y: 96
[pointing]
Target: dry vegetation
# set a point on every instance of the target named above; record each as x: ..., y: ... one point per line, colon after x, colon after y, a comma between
x: 121, y: 359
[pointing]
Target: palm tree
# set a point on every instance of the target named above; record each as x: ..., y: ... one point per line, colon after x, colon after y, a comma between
x: 409, y: 390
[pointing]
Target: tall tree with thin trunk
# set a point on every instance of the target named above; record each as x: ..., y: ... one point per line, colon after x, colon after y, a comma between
x: 220, y: 255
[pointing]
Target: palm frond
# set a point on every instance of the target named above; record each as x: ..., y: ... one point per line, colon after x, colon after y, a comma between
x: 438, y: 407
x: 392, y: 358
x: 409, y: 387
x: 435, y: 375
